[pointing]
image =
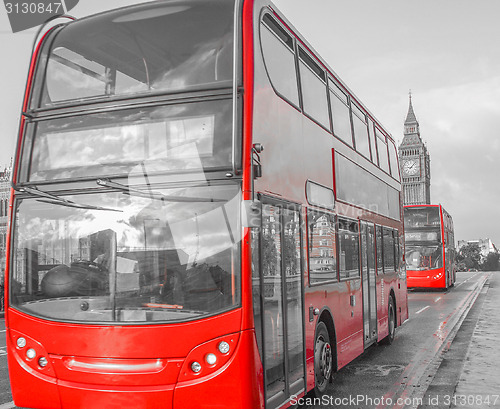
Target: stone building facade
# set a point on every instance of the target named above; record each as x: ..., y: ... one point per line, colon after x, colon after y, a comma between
x: 4, y: 210
x: 415, y: 163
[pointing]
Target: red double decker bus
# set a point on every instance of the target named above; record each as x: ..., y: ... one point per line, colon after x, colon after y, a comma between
x: 430, y: 247
x: 202, y: 215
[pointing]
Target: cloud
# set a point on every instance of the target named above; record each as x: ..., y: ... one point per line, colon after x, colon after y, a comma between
x: 460, y: 125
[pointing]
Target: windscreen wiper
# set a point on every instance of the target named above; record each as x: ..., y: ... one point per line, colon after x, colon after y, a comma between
x: 153, y: 194
x: 50, y: 198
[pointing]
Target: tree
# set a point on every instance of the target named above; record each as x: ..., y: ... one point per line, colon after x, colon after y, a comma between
x: 470, y: 255
x: 492, y: 262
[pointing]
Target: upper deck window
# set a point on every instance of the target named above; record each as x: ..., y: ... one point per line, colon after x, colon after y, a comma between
x: 360, y: 131
x: 383, y: 158
x: 422, y: 217
x: 393, y: 156
x: 313, y: 85
x: 150, y: 48
x: 371, y: 137
x: 340, y: 113
x: 279, y: 58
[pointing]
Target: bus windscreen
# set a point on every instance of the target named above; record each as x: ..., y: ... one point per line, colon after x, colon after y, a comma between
x: 132, y: 255
x: 424, y: 257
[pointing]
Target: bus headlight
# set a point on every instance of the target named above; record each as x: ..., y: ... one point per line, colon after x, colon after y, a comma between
x: 211, y: 359
x: 21, y: 342
x: 223, y: 347
x: 31, y: 353
x: 208, y: 357
x: 196, y: 367
x: 43, y: 362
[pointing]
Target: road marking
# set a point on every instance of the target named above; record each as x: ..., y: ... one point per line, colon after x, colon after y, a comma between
x: 3, y: 330
x: 377, y: 370
x: 8, y: 405
x: 463, y: 282
x: 418, y: 312
x: 471, y: 277
x: 437, y: 299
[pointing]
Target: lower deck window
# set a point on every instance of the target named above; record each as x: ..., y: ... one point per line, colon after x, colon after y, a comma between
x: 322, y: 247
x: 348, y: 248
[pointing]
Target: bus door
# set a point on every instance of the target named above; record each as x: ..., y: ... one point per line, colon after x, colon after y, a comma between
x: 369, y: 282
x: 278, y: 301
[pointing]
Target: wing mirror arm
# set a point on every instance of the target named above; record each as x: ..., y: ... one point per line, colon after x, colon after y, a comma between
x: 251, y: 209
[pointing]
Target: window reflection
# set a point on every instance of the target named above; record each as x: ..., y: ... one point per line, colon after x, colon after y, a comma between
x: 145, y: 260
x: 322, y: 247
x: 272, y: 250
x: 389, y: 250
x: 293, y: 270
x: 424, y: 257
x: 348, y: 248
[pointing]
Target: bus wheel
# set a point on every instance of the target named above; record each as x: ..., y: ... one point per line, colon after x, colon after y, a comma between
x: 391, y: 317
x: 323, y: 359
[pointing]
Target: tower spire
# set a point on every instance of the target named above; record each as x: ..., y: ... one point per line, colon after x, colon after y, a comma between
x: 410, y: 117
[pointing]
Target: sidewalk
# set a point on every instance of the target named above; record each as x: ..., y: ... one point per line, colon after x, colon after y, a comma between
x: 479, y: 382
x: 469, y: 371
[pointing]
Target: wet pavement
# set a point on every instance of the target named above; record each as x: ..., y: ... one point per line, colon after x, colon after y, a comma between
x: 423, y: 366
x: 468, y: 375
x: 479, y: 382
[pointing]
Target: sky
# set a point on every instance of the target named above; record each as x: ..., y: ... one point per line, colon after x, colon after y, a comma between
x: 446, y: 51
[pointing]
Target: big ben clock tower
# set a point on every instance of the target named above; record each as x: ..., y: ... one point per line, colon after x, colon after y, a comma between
x: 415, y: 163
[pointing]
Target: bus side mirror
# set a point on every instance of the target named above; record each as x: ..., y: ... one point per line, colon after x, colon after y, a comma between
x: 256, y: 164
x: 257, y: 170
x: 251, y: 213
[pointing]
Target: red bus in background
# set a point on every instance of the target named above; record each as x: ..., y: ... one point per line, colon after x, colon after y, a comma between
x: 203, y: 215
x: 430, y: 247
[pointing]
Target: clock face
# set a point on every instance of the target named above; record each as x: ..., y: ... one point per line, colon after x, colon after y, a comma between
x: 411, y: 167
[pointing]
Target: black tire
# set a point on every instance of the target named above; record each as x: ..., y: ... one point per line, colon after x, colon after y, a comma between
x: 391, y: 322
x: 323, y: 359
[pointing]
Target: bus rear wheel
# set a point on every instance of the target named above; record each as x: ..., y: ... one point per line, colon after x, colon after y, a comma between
x: 323, y: 359
x: 391, y: 322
